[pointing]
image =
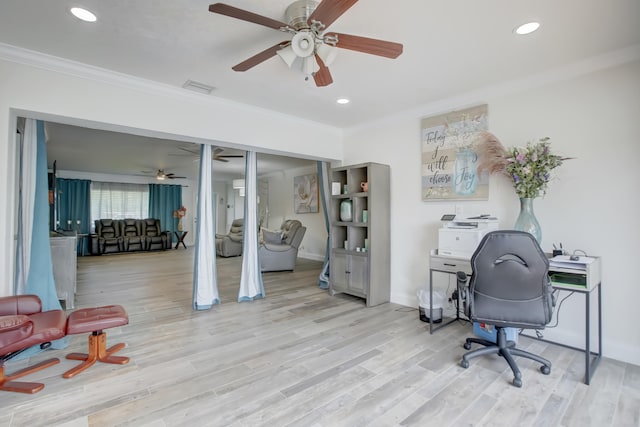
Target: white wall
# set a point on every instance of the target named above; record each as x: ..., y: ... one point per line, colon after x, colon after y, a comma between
x: 281, y: 207
x: 65, y: 92
x: 591, y: 205
x: 593, y: 117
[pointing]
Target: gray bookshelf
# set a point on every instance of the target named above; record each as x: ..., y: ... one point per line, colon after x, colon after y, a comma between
x: 360, y: 247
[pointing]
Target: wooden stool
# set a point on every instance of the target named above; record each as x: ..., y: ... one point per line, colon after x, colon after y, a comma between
x: 94, y: 320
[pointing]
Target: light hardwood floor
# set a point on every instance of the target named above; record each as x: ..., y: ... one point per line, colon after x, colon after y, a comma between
x: 299, y: 357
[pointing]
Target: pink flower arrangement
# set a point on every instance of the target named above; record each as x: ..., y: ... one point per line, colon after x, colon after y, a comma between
x: 180, y: 213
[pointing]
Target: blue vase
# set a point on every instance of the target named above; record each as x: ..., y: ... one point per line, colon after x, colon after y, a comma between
x: 527, y: 220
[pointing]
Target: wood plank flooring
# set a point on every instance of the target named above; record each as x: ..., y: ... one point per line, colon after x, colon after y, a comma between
x: 299, y: 357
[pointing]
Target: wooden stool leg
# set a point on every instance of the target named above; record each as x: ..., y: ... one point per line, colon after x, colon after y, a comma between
x: 7, y: 383
x: 105, y: 354
x: 88, y: 359
x: 97, y: 351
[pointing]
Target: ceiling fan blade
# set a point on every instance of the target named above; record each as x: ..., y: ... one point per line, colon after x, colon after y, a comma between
x: 234, y: 12
x: 220, y: 159
x: 330, y: 10
x: 322, y: 77
x: 259, y: 58
x: 217, y: 151
x: 367, y: 45
x: 188, y: 151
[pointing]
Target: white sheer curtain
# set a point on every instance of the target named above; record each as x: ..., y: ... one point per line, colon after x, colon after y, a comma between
x: 205, y: 280
x: 251, y: 286
x: 117, y: 200
x: 28, y: 157
x: 325, y: 196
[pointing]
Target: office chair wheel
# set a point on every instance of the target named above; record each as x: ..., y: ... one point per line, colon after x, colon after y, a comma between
x: 517, y: 382
x: 546, y: 370
x: 467, y: 345
x: 464, y: 364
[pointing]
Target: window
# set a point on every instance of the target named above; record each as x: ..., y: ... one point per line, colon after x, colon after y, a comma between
x: 118, y: 201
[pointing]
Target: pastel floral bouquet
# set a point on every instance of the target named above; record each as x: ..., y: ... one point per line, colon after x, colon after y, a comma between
x: 180, y: 213
x: 528, y: 167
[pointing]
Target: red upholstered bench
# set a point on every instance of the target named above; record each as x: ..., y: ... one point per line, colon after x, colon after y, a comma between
x: 94, y: 320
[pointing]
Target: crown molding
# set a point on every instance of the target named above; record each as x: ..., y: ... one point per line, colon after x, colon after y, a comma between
x: 566, y: 72
x: 78, y: 69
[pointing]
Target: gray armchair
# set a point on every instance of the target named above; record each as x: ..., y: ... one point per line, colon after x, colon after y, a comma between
x: 509, y: 288
x: 278, y: 250
x: 228, y: 245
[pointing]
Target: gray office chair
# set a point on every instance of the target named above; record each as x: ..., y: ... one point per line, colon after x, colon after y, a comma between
x: 509, y: 288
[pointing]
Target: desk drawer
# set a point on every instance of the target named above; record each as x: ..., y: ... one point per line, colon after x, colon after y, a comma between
x: 452, y: 265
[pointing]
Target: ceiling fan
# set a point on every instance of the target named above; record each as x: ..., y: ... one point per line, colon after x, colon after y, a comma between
x: 161, y: 175
x: 307, y: 21
x: 216, y: 154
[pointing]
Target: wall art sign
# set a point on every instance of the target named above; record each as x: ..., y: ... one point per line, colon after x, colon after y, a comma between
x: 449, y: 159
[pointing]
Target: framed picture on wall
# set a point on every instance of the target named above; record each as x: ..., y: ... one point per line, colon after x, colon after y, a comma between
x: 449, y: 159
x: 305, y: 193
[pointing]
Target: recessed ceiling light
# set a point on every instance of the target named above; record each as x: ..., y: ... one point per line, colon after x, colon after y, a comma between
x: 527, y: 28
x: 342, y: 101
x: 83, y: 14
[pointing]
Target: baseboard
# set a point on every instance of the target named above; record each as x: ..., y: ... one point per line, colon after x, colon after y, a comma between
x: 404, y: 299
x: 313, y: 257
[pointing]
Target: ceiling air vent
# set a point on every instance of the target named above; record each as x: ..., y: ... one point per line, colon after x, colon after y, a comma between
x: 198, y: 87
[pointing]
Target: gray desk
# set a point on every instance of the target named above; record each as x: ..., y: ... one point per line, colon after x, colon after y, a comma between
x: 450, y: 265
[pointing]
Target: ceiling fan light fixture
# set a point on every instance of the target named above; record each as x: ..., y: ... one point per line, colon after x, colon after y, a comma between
x: 327, y: 53
x: 288, y: 55
x: 160, y: 176
x: 310, y: 66
x: 303, y: 44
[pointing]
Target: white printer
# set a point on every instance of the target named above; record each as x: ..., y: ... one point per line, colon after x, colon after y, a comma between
x: 460, y: 237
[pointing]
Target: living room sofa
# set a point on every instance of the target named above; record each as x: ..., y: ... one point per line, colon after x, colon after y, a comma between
x: 128, y: 235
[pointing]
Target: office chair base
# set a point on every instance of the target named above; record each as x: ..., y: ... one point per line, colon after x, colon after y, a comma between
x: 468, y: 341
x: 505, y: 349
x: 7, y: 382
